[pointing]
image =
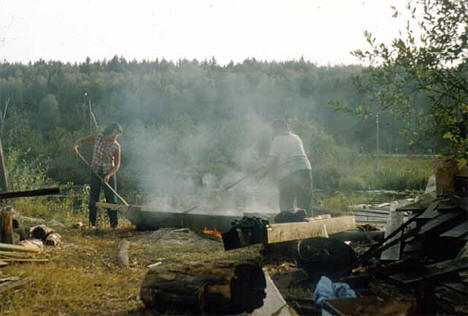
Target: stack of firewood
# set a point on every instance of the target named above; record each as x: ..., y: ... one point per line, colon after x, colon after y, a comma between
x: 22, y: 244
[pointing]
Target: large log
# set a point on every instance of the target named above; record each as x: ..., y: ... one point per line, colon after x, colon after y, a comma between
x: 221, y: 287
x: 41, y: 231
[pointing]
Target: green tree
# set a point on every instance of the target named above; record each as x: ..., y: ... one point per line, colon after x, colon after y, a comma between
x: 48, y: 115
x: 423, y: 78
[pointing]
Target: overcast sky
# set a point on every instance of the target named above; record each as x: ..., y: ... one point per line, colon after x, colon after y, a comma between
x: 322, y: 31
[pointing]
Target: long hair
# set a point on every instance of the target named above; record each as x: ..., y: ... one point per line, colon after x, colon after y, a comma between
x: 112, y: 127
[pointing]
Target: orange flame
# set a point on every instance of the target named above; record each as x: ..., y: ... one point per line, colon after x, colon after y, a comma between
x: 214, y: 232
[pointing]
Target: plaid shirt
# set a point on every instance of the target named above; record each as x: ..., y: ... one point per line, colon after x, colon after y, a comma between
x: 103, y: 154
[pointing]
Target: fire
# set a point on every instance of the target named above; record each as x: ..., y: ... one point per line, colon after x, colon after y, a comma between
x: 214, y: 232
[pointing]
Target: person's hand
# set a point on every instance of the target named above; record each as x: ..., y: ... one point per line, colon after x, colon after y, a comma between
x: 106, y: 178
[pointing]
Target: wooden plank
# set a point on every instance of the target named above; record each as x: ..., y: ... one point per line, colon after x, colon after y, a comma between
x: 457, y: 231
x: 441, y: 223
x: 372, y: 211
x: 431, y: 211
x: 432, y: 271
x: 369, y: 214
x: 456, y: 286
x: 302, y: 230
x: 394, y: 222
x: 274, y: 303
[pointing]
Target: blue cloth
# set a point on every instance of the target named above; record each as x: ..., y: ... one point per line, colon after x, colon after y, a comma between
x: 327, y: 290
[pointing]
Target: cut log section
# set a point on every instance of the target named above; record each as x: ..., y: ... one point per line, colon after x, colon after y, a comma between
x: 53, y: 239
x: 220, y: 287
x: 41, y: 231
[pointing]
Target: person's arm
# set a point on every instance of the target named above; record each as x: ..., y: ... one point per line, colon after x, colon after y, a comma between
x: 116, y: 165
x: 81, y: 141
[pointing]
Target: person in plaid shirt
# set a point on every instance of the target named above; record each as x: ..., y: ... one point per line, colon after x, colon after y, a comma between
x: 105, y: 163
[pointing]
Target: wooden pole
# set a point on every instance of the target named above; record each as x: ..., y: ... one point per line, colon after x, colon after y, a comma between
x: 7, y: 225
x: 3, y: 170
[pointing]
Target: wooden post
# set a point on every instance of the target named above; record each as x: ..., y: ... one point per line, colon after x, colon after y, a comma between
x: 7, y: 225
x: 3, y: 170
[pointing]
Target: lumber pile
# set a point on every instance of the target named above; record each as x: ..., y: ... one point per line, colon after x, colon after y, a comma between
x: 427, y: 255
x: 20, y: 243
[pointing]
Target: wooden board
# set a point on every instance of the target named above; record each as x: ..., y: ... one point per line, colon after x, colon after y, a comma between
x: 296, y: 231
x: 431, y: 271
x: 457, y: 231
x: 441, y: 223
x: 431, y: 211
x: 274, y: 303
x: 394, y: 222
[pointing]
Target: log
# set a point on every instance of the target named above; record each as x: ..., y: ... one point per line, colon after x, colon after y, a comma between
x: 53, y: 239
x: 31, y: 244
x: 123, y: 253
x: 318, y: 256
x: 7, y: 225
x: 41, y: 231
x: 3, y: 263
x: 226, y: 286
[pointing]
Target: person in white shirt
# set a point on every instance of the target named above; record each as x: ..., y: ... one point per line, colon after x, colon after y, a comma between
x: 293, y: 170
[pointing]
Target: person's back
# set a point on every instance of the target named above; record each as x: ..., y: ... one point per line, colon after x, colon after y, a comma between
x: 289, y: 150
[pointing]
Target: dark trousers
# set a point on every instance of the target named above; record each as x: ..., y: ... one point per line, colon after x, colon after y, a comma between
x: 296, y: 187
x: 94, y: 193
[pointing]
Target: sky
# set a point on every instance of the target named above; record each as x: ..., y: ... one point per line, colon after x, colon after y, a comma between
x: 320, y: 31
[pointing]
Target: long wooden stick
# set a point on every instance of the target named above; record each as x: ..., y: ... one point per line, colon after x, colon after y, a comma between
x: 47, y: 191
x: 102, y: 180
x: 4, y: 246
x: 25, y: 260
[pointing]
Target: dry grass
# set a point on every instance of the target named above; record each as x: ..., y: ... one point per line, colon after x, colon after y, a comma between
x: 83, y: 276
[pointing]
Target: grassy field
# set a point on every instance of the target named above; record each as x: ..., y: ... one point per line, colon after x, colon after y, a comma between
x: 83, y: 276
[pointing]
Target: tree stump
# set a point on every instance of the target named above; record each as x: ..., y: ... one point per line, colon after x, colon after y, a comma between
x: 220, y: 287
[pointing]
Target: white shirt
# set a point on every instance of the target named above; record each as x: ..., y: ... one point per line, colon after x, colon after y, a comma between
x: 289, y: 150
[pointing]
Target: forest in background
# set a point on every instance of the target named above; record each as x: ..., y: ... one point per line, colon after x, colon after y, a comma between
x: 186, y: 119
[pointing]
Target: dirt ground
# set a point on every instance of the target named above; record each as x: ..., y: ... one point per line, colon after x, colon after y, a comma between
x: 83, y: 277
